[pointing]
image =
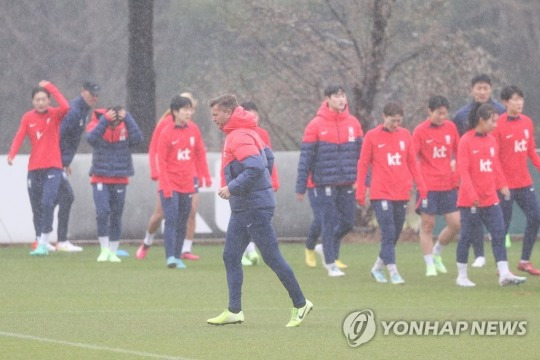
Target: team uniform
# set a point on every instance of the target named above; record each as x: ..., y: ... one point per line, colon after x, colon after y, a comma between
x: 481, y: 176
x: 393, y: 162
x: 71, y: 130
x: 45, y: 164
x: 515, y: 138
x: 112, y: 165
x: 180, y: 152
x: 329, y: 154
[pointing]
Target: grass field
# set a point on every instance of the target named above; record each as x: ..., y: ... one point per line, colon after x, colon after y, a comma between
x: 67, y: 306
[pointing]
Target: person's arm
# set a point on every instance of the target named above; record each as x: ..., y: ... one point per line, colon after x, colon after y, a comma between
x: 531, y: 148
x: 463, y: 163
x: 201, y: 162
x: 247, y: 153
x: 63, y: 105
x: 308, y: 151
x: 135, y: 136
x: 163, y: 149
x: 412, y: 163
x: 17, y: 140
x: 96, y: 129
x: 362, y: 169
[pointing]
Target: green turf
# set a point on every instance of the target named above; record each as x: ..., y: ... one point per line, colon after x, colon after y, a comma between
x: 68, y: 306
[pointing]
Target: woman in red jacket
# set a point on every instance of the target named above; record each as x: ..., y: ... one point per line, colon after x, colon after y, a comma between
x: 481, y: 176
x: 42, y: 126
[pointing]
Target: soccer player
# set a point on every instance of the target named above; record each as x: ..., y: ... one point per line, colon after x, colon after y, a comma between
x: 247, y: 163
x: 250, y: 254
x: 481, y: 176
x: 315, y: 228
x: 202, y: 178
x: 72, y: 128
x: 480, y: 93
x: 389, y: 151
x: 111, y: 136
x: 435, y: 141
x: 42, y: 126
x: 515, y: 137
x: 329, y: 154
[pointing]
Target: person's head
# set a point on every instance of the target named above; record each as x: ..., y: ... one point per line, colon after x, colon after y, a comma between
x: 190, y: 96
x: 117, y: 115
x: 252, y: 108
x: 335, y: 97
x: 483, y: 118
x: 438, y: 109
x: 181, y: 109
x: 481, y: 88
x: 513, y: 99
x: 222, y: 108
x: 90, y: 93
x: 41, y: 99
x: 392, y: 115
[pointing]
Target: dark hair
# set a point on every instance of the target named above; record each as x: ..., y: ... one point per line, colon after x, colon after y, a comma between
x: 39, y: 89
x: 480, y: 111
x: 333, y: 89
x: 481, y: 78
x: 226, y: 101
x: 508, y: 91
x: 249, y: 105
x: 438, y: 101
x: 179, y: 102
x: 393, y: 108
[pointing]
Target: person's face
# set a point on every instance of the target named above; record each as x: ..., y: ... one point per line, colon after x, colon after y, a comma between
x: 337, y: 102
x: 182, y: 115
x: 89, y: 99
x: 514, y: 105
x: 481, y: 92
x: 41, y: 101
x: 392, y: 122
x: 487, y: 126
x: 220, y: 116
x: 438, y: 115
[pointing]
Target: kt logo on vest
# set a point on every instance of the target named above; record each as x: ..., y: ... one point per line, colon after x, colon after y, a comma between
x: 359, y: 327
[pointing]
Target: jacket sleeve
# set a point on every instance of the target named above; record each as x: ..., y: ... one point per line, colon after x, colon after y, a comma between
x: 161, y: 155
x: 463, y: 171
x: 412, y: 163
x: 253, y: 165
x: 500, y: 179
x: 535, y: 159
x: 95, y: 131
x: 18, y: 139
x: 362, y: 169
x: 152, y: 151
x: 134, y: 132
x: 308, y: 151
x: 63, y: 105
x: 70, y: 122
x: 201, y: 163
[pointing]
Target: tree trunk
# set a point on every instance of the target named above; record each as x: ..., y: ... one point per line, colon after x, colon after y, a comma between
x: 141, y: 78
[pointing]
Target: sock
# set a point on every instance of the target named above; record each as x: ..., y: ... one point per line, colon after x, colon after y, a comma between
x: 379, y: 264
x: 438, y: 248
x: 502, y: 266
x: 148, y: 239
x: 462, y: 270
x: 250, y: 248
x: 113, y: 245
x: 104, y: 242
x: 186, y: 248
x: 428, y: 259
x: 44, y: 239
x: 392, y: 269
x: 523, y: 261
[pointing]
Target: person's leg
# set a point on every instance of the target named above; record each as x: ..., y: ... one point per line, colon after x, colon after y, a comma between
x: 34, y: 183
x: 385, y: 219
x: 427, y: 223
x: 529, y: 204
x: 329, y: 220
x: 48, y: 199
x: 345, y: 206
x: 171, y: 211
x: 117, y: 200
x: 190, y: 229
x: 315, y: 228
x: 184, y: 209
x: 153, y: 225
x: 470, y: 222
x: 450, y: 232
x: 102, y: 202
x: 65, y: 200
x: 262, y: 231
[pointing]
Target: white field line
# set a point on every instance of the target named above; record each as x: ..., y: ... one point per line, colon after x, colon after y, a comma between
x: 91, y: 346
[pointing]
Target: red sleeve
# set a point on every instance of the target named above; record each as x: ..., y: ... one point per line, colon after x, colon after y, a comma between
x: 19, y: 138
x: 454, y: 152
x: 417, y: 140
x: 162, y: 152
x: 412, y: 163
x: 463, y: 171
x: 201, y: 164
x: 63, y: 104
x: 311, y: 134
x: 152, y: 149
x: 500, y: 179
x: 363, y: 166
x: 531, y: 151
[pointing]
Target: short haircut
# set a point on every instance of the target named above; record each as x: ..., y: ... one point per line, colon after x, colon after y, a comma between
x: 508, y: 91
x: 179, y: 102
x: 333, y: 89
x: 249, y: 106
x: 226, y: 101
x: 39, y: 89
x: 480, y: 111
x: 438, y: 101
x: 481, y: 78
x: 393, y: 108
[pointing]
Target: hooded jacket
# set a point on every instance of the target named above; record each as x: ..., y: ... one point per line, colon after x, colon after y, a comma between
x: 330, y: 149
x: 247, y: 164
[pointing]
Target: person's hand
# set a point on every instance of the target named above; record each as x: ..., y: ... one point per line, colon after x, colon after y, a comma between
x: 67, y: 169
x: 224, y: 193
x: 10, y: 161
x: 361, y: 201
x: 207, y: 182
x: 44, y: 83
x: 110, y: 115
x: 505, y: 192
x: 121, y: 114
x: 300, y: 197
